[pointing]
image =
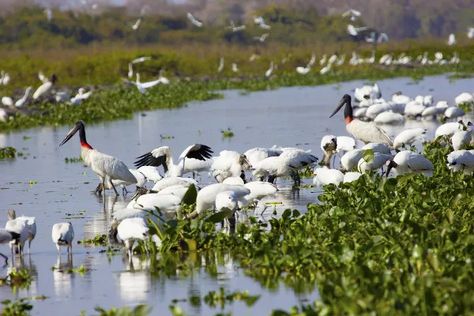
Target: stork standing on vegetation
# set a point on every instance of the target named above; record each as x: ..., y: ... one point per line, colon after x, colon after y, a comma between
x: 365, y: 131
x: 105, y: 166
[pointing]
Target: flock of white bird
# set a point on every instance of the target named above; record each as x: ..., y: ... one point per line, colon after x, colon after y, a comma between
x: 231, y: 169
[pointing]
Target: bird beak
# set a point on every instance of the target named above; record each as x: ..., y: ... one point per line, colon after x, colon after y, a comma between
x: 69, y: 135
x: 341, y: 103
x: 392, y: 164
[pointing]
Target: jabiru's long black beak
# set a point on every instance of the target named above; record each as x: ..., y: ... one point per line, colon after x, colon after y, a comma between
x: 345, y: 99
x: 72, y: 132
x: 391, y: 164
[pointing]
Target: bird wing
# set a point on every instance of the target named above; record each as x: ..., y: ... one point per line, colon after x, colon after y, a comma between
x: 149, y: 84
x: 157, y: 157
x: 197, y: 151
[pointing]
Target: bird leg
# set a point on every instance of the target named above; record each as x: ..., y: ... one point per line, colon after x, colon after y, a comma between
x: 4, y: 257
x: 113, y: 186
x: 124, y: 190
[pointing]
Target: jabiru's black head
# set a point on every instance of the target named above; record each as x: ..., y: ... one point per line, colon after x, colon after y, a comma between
x: 79, y: 126
x: 346, y: 100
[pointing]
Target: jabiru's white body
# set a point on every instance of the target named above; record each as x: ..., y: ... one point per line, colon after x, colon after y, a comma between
x: 408, y: 137
x: 104, y: 166
x: 364, y: 131
x: 461, y: 160
x: 62, y: 234
x: 409, y: 162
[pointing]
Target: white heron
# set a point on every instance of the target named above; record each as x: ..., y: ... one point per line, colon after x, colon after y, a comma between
x: 409, y: 162
x: 80, y: 96
x: 269, y: 71
x: 221, y: 65
x: 259, y: 20
x: 234, y: 67
x: 451, y: 39
x: 143, y: 86
x: 470, y: 32
x: 103, y: 165
x: 45, y: 87
x: 4, y: 78
x: 364, y: 131
x: 193, y: 20
x: 162, y: 156
x: 62, y: 234
x: 7, y: 101
x: 21, y: 101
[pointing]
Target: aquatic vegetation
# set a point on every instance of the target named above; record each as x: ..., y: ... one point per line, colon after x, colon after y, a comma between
x: 396, y: 245
x: 7, y: 152
x: 98, y: 240
x: 139, y: 310
x: 227, y: 133
x: 19, y: 278
x: 73, y: 160
x: 19, y: 307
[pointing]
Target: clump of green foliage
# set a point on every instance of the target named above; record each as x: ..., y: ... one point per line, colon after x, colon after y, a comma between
x: 7, y: 152
x: 98, y: 240
x: 227, y: 133
x: 377, y: 245
x: 19, y: 307
x: 18, y: 278
x: 73, y: 160
x: 139, y: 310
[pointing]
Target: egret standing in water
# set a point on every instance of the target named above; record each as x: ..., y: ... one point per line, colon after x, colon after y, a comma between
x: 105, y: 166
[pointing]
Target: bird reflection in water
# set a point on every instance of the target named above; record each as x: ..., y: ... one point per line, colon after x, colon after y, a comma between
x: 63, y: 276
x: 134, y: 284
x: 25, y: 262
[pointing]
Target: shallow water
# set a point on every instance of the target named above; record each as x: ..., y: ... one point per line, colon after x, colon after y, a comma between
x: 41, y: 184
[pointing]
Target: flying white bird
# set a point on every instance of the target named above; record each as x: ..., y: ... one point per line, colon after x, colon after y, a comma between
x: 144, y: 86
x: 80, y: 96
x: 193, y: 20
x: 104, y: 166
x: 62, y: 234
x: 162, y: 156
x: 140, y: 59
x: 364, y: 131
x: 235, y: 28
x: 258, y: 20
x: 353, y: 14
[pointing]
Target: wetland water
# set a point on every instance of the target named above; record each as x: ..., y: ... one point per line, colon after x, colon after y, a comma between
x: 41, y: 184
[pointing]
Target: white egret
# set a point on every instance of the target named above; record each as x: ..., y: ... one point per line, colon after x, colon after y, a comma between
x: 451, y: 39
x: 193, y: 20
x: 269, y: 71
x: 45, y: 87
x: 137, y: 23
x: 21, y: 101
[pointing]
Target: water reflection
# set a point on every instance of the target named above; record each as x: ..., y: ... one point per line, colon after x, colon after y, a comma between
x: 26, y: 262
x: 63, y: 276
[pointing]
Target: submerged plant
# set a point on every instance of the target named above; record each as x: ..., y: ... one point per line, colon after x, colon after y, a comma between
x: 139, y: 310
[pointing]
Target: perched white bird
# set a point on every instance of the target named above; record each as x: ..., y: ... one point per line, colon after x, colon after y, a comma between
x: 45, y: 87
x: 408, y: 137
x: 470, y: 32
x: 130, y: 230
x: 162, y: 156
x: 409, y: 162
x: 20, y: 102
x: 4, y: 78
x: 221, y: 65
x: 7, y: 101
x: 62, y: 234
x: 130, y: 71
x: 463, y: 98
x: 235, y: 68
x: 103, y: 165
x: 193, y: 20
x: 364, y: 131
x: 451, y: 39
x: 302, y: 70
x: 269, y: 71
x: 461, y: 160
x: 136, y: 25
